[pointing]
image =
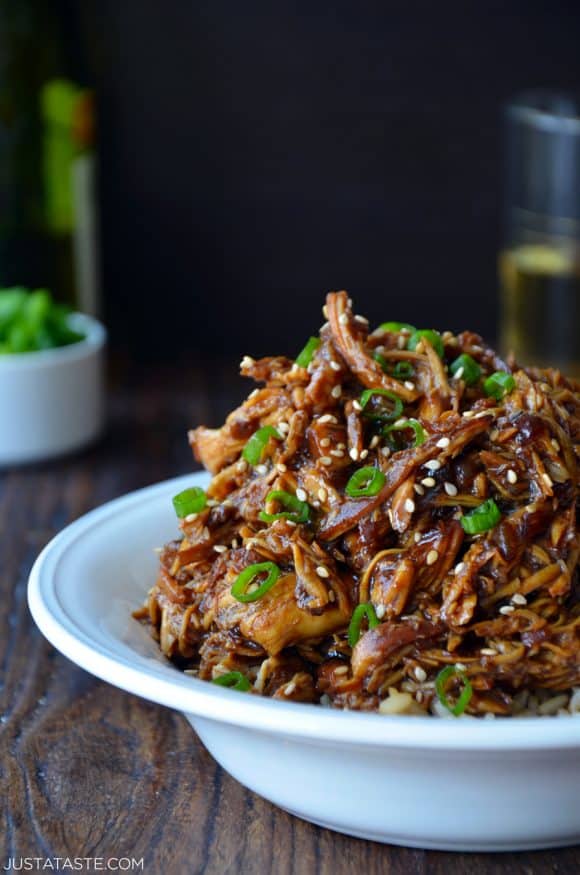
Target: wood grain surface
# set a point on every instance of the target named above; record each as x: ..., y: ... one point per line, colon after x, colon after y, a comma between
x: 87, y: 770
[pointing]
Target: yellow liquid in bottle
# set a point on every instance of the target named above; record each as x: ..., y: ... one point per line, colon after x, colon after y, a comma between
x: 540, y: 300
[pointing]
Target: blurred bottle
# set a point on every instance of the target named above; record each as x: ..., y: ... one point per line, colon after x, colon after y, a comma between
x: 47, y: 137
x: 539, y: 268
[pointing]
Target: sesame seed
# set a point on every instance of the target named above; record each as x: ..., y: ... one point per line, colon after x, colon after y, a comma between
x: 432, y: 557
x: 409, y: 505
x: 328, y: 417
x: 460, y: 666
x: 507, y: 609
x: 205, y: 533
x: 488, y: 651
x: 235, y: 544
x: 468, y: 414
x: 331, y: 596
x: 315, y: 503
x: 322, y: 495
x: 400, y: 421
x: 428, y: 481
x: 290, y: 688
x: 443, y: 442
x: 283, y: 427
x: 253, y: 393
x: 281, y: 468
x: 374, y: 441
x: 356, y: 406
x: 364, y: 454
x: 555, y: 445
x: 322, y: 571
x: 420, y: 674
x: 241, y: 465
x: 458, y: 373
x: 341, y: 446
x: 337, y: 453
x: 361, y: 319
x: 219, y: 548
x: 190, y: 517
x: 519, y: 599
x: 301, y: 495
x: 417, y: 537
x: 494, y: 434
x: 380, y: 611
x: 325, y: 442
x: 336, y: 391
x: 211, y: 502
x: 512, y: 477
x: 247, y: 361
x: 450, y: 488
x: 353, y: 453
x: 409, y: 385
x: 325, y: 460
x: 433, y: 464
x: 401, y: 342
x: 325, y: 325
x: 261, y: 469
x: 342, y: 669
x: 418, y: 489
x: 385, y: 451
x: 325, y: 311
x: 343, y: 319
x: 349, y: 302
x: 335, y: 366
x: 482, y: 413
x: 547, y: 480
x: 460, y: 567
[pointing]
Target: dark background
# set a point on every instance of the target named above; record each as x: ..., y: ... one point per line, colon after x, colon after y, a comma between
x: 254, y: 155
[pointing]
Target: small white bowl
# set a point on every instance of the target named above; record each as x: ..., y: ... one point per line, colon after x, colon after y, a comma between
x: 52, y: 401
x: 463, y: 785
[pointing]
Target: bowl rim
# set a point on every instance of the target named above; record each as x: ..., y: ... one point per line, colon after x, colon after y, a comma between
x: 166, y: 685
x: 94, y: 340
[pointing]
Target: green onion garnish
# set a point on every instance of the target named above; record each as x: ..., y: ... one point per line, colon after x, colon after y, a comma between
x: 499, y: 384
x: 397, y: 326
x: 367, y: 610
x: 381, y: 360
x: 403, y: 424
x: 381, y: 412
x: 249, y: 576
x: 441, y: 683
x: 482, y: 518
x: 403, y: 370
x: 298, y: 511
x: 32, y: 321
x: 191, y: 500
x: 304, y: 357
x: 235, y: 680
x: 429, y: 334
x: 255, y: 447
x: 467, y: 368
x: 364, y: 482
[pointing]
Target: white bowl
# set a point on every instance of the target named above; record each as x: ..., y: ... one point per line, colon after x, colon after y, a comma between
x: 465, y: 785
x: 52, y: 400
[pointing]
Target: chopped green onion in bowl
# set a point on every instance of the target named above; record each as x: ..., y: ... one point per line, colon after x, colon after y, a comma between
x: 31, y: 321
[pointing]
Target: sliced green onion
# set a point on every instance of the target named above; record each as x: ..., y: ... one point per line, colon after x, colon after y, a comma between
x: 499, y: 384
x: 191, y: 500
x: 249, y: 575
x: 381, y: 412
x: 255, y: 447
x: 397, y: 326
x: 367, y: 610
x: 402, y: 425
x: 298, y: 511
x: 451, y: 671
x: 235, y: 680
x: 470, y: 372
x: 381, y: 360
x: 482, y: 518
x: 429, y: 334
x: 403, y: 370
x: 364, y: 482
x: 304, y: 357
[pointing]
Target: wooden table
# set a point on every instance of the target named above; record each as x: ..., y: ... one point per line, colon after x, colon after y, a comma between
x: 89, y: 771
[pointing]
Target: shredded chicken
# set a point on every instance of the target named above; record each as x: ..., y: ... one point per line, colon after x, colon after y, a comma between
x: 501, y: 604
